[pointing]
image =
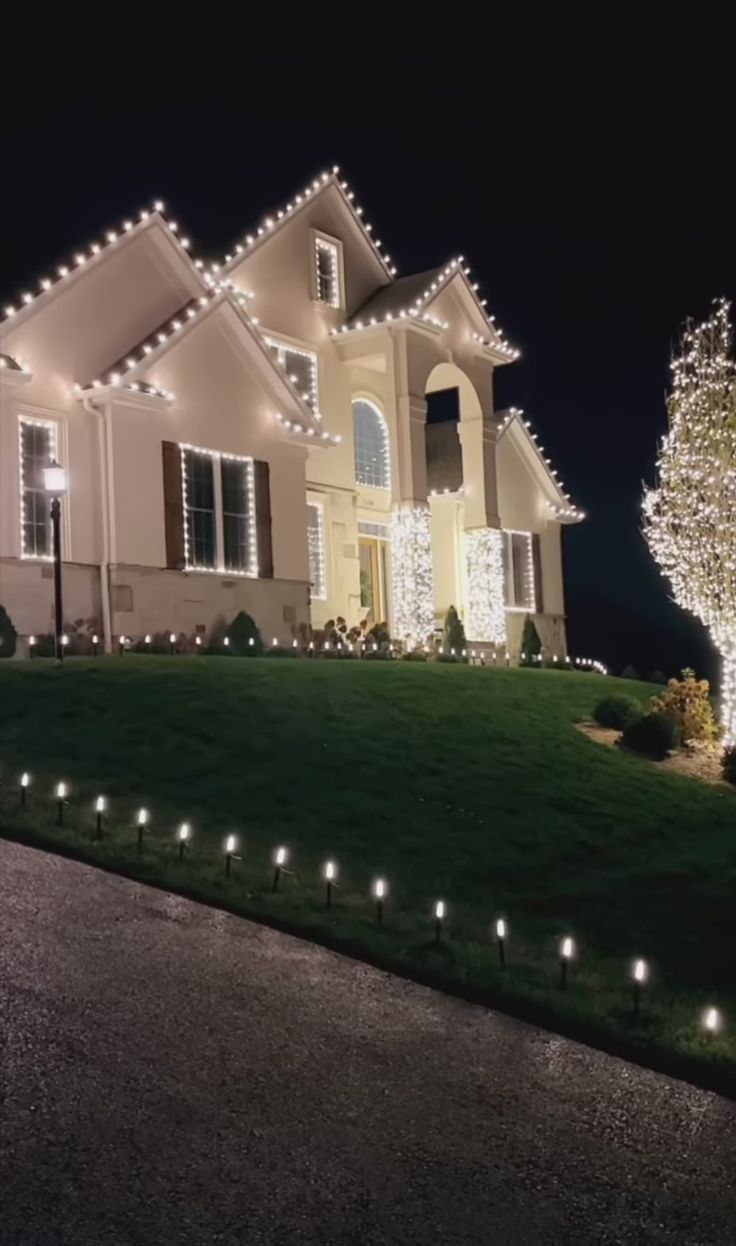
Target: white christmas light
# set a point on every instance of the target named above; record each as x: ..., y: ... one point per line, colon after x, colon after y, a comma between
x: 690, y: 517
x: 411, y: 565
x: 486, y: 621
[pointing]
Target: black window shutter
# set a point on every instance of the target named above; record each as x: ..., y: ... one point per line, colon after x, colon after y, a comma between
x: 537, y: 560
x: 264, y: 542
x: 173, y: 505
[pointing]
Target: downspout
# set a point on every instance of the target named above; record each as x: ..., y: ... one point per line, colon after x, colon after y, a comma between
x: 104, y: 441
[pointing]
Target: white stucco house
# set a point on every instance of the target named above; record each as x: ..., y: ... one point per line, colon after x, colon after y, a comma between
x: 252, y: 434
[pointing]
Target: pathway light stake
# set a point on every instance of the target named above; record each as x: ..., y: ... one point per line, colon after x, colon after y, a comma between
x: 100, y: 804
x: 226, y: 642
x: 95, y: 644
x: 31, y: 645
x: 502, y: 933
x: 198, y: 643
x: 567, y: 952
x: 141, y: 822
x: 280, y: 857
x: 380, y: 891
x: 639, y: 975
x: 65, y: 641
x: 62, y: 792
x: 172, y: 643
x: 440, y: 913
x: 330, y: 881
x: 711, y: 1020
x: 183, y: 836
x: 231, y: 844
x: 147, y: 640
x: 25, y: 783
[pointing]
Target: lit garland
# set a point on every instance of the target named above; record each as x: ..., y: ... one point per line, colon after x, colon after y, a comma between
x: 411, y: 567
x: 690, y: 518
x: 486, y: 619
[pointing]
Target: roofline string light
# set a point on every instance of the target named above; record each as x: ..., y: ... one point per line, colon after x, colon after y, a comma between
x: 516, y: 414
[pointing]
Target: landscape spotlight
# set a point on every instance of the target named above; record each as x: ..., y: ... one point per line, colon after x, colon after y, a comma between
x: 440, y: 913
x: 639, y: 975
x: 567, y: 952
x: 61, y: 795
x: 183, y: 835
x: 280, y: 857
x: 231, y: 844
x: 502, y: 931
x: 100, y: 805
x: 141, y: 822
x: 380, y: 891
x: 712, y: 1020
x: 330, y: 881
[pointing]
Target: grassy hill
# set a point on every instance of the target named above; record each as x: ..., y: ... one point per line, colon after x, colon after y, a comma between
x: 463, y: 783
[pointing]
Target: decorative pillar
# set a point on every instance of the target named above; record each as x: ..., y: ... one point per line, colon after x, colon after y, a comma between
x: 411, y: 574
x: 485, y: 621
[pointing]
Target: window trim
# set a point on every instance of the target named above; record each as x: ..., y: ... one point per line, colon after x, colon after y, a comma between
x: 280, y: 345
x: 371, y: 402
x: 27, y: 417
x: 511, y: 606
x: 320, y: 238
x: 251, y: 572
x: 320, y: 549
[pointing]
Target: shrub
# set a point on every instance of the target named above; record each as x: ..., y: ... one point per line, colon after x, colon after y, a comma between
x: 414, y: 655
x: 687, y: 701
x: 728, y: 764
x: 629, y: 672
x: 658, y: 677
x: 282, y: 651
x: 617, y: 711
x: 655, y: 735
x: 446, y: 657
x: 531, y: 645
x: 241, y: 632
x: 8, y: 634
x: 454, y: 634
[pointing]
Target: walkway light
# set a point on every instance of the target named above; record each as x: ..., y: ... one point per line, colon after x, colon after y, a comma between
x: 141, y: 821
x: 380, y: 891
x: 25, y: 783
x: 231, y: 844
x: 100, y: 806
x: 280, y: 857
x: 330, y: 881
x: 64, y: 640
x: 440, y: 913
x: 639, y: 975
x: 567, y: 953
x: 95, y: 644
x: 62, y: 792
x: 31, y: 645
x: 711, y: 1020
x: 121, y: 645
x: 502, y: 931
x: 183, y: 836
x: 226, y: 642
x: 147, y: 638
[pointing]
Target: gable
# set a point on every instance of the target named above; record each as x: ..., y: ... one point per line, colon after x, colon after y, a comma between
x: 529, y: 490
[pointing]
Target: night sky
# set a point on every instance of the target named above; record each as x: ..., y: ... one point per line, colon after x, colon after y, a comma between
x: 589, y: 195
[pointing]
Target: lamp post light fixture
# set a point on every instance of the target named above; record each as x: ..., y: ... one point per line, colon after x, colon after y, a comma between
x: 231, y: 844
x: 567, y: 953
x: 440, y: 913
x: 62, y: 791
x: 55, y: 486
x: 639, y: 975
x: 183, y: 835
x: 141, y: 821
x: 100, y: 806
x: 280, y: 857
x: 502, y: 934
x: 25, y: 783
x: 330, y: 881
x: 380, y: 891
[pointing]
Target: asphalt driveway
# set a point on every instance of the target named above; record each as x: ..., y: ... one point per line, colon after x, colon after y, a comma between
x: 171, y: 1074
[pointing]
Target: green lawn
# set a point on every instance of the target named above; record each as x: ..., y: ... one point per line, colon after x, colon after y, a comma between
x: 463, y: 783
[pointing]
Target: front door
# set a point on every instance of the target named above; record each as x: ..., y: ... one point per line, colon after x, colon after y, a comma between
x: 372, y: 555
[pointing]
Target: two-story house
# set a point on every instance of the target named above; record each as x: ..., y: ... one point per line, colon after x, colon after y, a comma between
x: 252, y: 434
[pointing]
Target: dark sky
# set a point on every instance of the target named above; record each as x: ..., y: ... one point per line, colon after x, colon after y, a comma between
x: 583, y: 174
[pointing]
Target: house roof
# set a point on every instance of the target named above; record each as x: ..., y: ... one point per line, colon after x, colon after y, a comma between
x: 512, y: 421
x: 394, y: 297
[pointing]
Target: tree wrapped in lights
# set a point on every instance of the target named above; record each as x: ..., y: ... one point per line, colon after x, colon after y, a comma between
x: 690, y: 517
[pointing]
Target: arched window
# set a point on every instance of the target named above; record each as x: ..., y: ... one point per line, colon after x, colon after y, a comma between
x: 372, y: 454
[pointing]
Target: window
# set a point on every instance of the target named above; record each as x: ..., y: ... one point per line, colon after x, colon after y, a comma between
x: 301, y: 369
x: 327, y: 265
x: 372, y: 456
x: 37, y: 447
x: 219, y: 512
x: 518, y: 571
x: 316, y: 542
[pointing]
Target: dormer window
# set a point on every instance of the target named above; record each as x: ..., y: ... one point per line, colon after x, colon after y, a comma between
x: 327, y: 271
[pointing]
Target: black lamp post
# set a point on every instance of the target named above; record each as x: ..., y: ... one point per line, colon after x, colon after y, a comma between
x: 55, y: 484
